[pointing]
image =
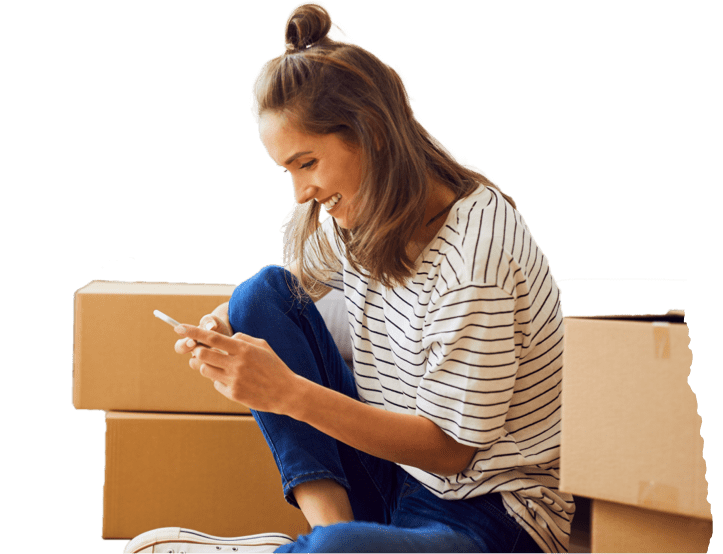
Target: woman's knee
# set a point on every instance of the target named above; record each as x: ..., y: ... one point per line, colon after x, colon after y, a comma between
x: 264, y: 295
x: 341, y: 537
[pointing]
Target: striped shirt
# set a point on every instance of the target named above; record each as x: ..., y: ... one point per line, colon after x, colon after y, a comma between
x: 474, y: 343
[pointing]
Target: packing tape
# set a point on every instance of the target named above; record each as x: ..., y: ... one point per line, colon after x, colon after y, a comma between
x: 661, y: 339
x: 658, y: 496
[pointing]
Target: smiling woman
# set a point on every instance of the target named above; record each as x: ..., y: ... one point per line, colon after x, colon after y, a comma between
x: 324, y: 168
x: 321, y: 87
x: 446, y: 434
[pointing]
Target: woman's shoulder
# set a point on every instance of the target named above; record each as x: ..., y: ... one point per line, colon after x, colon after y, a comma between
x: 474, y: 241
x: 481, y: 216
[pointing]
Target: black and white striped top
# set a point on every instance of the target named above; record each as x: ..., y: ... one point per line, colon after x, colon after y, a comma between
x: 474, y: 343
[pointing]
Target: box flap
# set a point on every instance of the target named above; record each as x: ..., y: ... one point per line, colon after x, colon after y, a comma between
x: 123, y: 356
x: 673, y: 316
x: 630, y: 426
x: 139, y: 287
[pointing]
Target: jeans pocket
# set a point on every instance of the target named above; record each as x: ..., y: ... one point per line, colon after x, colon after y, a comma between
x: 409, y: 487
x: 493, y: 505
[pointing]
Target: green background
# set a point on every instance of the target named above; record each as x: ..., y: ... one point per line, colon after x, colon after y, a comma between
x: 129, y: 153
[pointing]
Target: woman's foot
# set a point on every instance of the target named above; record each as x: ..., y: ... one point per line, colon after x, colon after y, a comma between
x: 179, y: 540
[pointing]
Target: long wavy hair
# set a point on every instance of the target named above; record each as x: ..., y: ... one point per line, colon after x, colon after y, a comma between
x: 324, y: 86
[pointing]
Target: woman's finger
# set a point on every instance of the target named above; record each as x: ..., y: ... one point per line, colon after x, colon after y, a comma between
x: 214, y: 357
x: 249, y: 339
x: 184, y: 346
x: 223, y: 389
x: 208, y: 370
x: 209, y: 323
x: 212, y: 322
x: 214, y: 339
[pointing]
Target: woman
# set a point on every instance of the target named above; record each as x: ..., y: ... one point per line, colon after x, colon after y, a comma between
x: 445, y: 437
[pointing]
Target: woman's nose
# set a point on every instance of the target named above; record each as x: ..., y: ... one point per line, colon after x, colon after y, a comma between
x: 303, y: 192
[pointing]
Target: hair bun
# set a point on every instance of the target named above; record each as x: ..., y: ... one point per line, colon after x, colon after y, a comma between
x: 308, y: 25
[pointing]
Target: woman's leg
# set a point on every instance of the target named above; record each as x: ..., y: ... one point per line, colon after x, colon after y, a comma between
x: 422, y: 522
x: 394, y: 512
x: 323, y: 502
x: 265, y: 307
x: 362, y: 536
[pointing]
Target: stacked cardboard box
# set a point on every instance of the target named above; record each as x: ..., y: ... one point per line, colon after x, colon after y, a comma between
x: 631, y: 438
x: 177, y: 452
x: 180, y: 454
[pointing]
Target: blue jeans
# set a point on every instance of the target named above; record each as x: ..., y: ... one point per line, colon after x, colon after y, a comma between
x: 393, y: 512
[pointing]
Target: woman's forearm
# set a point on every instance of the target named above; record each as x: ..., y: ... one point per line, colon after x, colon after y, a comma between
x: 402, y: 438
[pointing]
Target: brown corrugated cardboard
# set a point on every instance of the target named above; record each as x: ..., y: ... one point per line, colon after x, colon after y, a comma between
x: 630, y: 427
x: 214, y: 474
x: 123, y: 356
x: 620, y: 528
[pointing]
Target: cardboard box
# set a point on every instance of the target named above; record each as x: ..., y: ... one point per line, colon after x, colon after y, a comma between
x: 620, y: 528
x: 123, y: 357
x: 630, y: 426
x: 214, y: 474
x: 580, y: 529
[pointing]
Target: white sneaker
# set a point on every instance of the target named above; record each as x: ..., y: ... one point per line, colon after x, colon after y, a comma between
x: 181, y: 541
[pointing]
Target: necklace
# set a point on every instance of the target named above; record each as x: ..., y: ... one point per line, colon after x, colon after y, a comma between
x: 419, y: 247
x: 440, y: 214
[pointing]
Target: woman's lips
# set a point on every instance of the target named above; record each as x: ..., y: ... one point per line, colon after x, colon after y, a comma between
x: 329, y: 204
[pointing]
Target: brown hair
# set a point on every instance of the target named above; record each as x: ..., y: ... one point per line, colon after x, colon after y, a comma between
x: 324, y: 87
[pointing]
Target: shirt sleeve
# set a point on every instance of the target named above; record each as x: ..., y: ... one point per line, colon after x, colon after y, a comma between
x: 472, y: 364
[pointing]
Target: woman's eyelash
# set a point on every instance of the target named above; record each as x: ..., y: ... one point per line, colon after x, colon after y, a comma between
x: 307, y: 164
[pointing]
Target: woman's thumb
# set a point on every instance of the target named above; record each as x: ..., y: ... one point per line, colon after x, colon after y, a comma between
x: 209, y: 323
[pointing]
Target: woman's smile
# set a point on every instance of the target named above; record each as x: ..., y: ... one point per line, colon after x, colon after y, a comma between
x: 331, y: 203
x: 323, y: 168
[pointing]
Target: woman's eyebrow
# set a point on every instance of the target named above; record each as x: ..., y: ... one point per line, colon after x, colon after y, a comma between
x: 298, y: 154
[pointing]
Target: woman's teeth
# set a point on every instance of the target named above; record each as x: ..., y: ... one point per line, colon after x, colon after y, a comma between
x: 329, y: 204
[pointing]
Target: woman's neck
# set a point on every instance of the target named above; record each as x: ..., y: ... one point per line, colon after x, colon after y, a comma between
x: 440, y: 201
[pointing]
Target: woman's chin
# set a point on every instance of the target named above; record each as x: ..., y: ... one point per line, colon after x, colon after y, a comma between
x: 341, y: 220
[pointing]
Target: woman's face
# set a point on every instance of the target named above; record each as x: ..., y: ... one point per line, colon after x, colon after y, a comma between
x: 323, y: 168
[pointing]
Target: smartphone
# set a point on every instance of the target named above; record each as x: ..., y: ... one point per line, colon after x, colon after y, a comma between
x: 160, y: 315
x: 172, y: 322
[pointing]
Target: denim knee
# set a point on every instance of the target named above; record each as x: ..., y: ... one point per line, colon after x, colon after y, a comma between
x: 272, y: 279
x: 268, y: 290
x: 341, y: 537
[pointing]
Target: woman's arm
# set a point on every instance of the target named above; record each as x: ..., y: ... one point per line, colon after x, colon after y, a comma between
x: 245, y: 369
x: 402, y: 438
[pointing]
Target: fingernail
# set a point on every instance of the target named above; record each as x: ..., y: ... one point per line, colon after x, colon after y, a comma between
x: 190, y: 343
x: 180, y: 329
x: 210, y: 325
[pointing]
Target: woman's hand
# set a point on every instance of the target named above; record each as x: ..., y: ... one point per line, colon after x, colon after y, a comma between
x: 243, y: 368
x: 210, y: 322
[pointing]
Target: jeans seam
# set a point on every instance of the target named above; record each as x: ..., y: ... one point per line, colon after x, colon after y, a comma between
x: 517, y: 539
x: 303, y: 314
x: 411, y: 488
x: 299, y: 305
x: 305, y: 477
x: 506, y: 517
x: 373, y: 480
x: 273, y: 450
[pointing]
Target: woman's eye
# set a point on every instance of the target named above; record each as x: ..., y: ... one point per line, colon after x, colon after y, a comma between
x: 308, y: 164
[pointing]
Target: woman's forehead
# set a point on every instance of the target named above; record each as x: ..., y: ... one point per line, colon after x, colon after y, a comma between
x: 283, y: 140
x: 279, y: 135
x: 274, y: 124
